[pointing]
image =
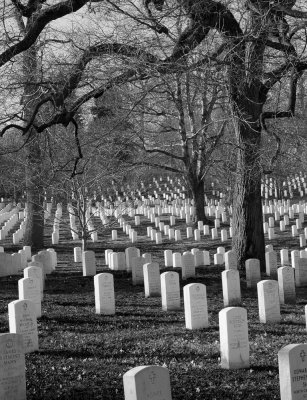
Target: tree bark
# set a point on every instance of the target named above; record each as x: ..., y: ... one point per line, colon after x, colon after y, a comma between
x: 34, y: 229
x: 198, y: 192
x: 248, y: 236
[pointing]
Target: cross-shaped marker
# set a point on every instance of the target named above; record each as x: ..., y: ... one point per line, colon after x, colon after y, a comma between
x: 152, y: 377
x: 303, y: 355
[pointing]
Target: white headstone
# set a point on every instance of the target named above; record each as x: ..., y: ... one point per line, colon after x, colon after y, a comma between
x: 171, y: 233
x: 218, y: 259
x: 46, y: 258
x: 30, y: 289
x: 137, y: 270
x: 284, y: 257
x: 170, y: 291
x: 152, y: 283
x: 54, y: 258
x: 27, y: 249
x: 206, y: 230
x: 104, y: 294
x: 223, y: 235
x: 231, y: 287
x: 295, y: 255
x: 77, y: 254
x: 147, y: 382
x: 131, y: 252
x: 106, y: 255
x: 271, y: 263
x: 195, y: 306
x: 231, y: 260
x: 113, y: 265
x: 286, y: 285
x: 147, y: 257
x: 168, y: 258
x: 22, y: 319
x: 6, y: 265
x: 199, y: 258
x: 16, y: 264
x: 301, y: 273
x: 188, y: 265
x: 214, y: 234
x: 24, y: 261
x: 88, y: 263
x: 206, y: 257
x: 197, y: 235
x: 35, y: 272
x: 189, y: 232
x: 12, y: 367
x: 234, y: 343
x: 177, y: 235
x: 177, y: 263
x: 253, y: 276
x: 292, y: 365
x: 268, y: 301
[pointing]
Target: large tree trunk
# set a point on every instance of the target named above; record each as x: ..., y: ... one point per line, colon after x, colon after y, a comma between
x: 248, y: 97
x: 34, y: 233
x: 34, y: 230
x: 198, y: 192
x: 248, y: 236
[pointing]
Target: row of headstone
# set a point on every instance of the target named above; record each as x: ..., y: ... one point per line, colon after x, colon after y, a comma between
x: 153, y: 381
x: 11, y: 219
x: 13, y: 264
x: 19, y: 233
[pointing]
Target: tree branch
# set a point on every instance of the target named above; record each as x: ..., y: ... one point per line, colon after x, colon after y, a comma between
x: 80, y: 155
x: 275, y: 156
x: 43, y: 18
x: 291, y: 13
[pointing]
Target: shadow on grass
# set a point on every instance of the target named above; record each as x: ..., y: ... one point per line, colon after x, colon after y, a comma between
x: 265, y: 368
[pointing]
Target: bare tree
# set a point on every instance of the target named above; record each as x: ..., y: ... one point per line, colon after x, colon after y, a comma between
x: 259, y: 43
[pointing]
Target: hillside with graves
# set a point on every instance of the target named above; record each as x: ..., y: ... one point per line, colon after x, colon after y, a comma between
x: 152, y: 305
